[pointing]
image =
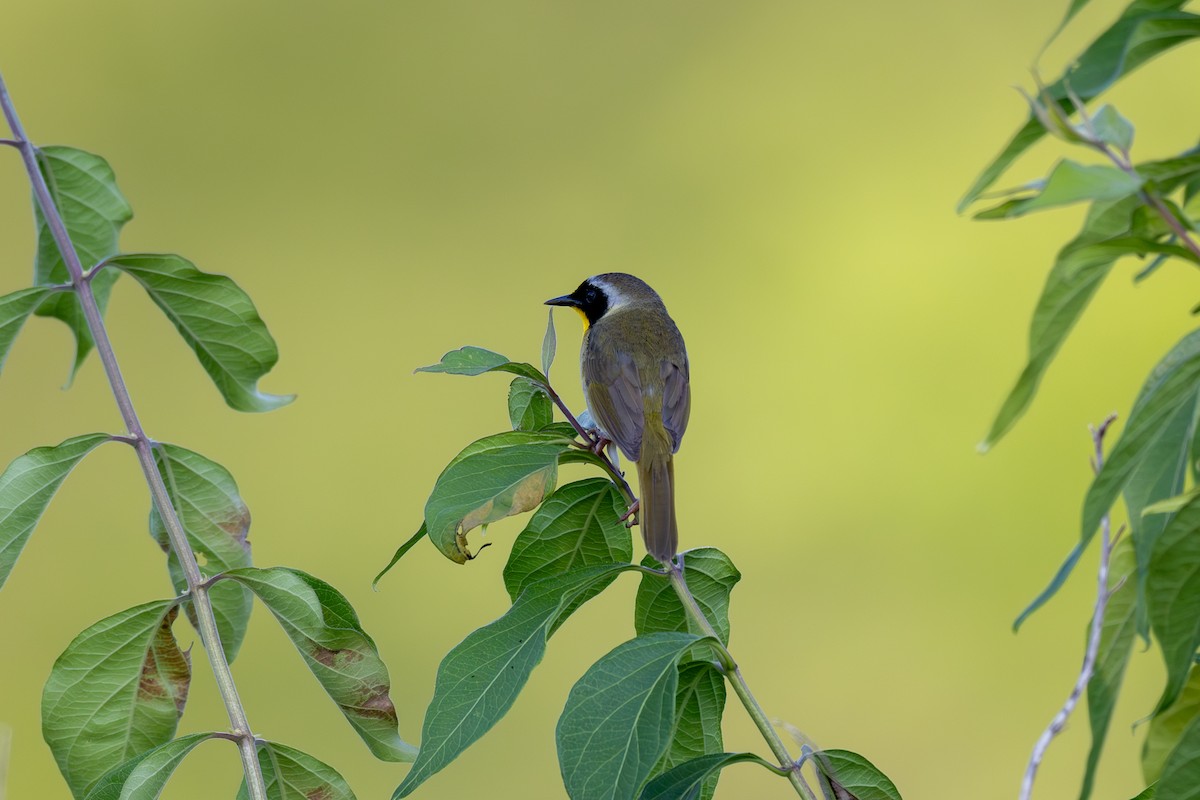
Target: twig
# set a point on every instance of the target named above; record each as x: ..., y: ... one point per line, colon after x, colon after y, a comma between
x: 197, y: 587
x: 727, y: 663
x: 1103, y: 594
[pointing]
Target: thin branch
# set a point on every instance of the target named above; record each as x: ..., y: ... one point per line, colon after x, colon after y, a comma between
x: 1103, y: 594
x: 738, y: 682
x: 206, y: 620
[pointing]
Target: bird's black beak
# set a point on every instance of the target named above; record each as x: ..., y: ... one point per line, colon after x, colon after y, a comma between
x: 565, y: 300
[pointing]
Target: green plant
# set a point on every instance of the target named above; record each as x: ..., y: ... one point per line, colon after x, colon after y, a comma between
x: 645, y: 720
x: 1148, y: 582
x: 114, y: 698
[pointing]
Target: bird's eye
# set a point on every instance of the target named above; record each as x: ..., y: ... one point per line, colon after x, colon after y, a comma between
x: 590, y: 295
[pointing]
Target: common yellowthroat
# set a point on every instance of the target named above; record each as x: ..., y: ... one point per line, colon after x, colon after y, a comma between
x: 635, y: 380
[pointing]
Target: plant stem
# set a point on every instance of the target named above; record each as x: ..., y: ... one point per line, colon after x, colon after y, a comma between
x: 738, y: 681
x: 197, y: 589
x: 1103, y: 594
x: 728, y: 665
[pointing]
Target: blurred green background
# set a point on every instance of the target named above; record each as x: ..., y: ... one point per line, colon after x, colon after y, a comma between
x: 392, y: 180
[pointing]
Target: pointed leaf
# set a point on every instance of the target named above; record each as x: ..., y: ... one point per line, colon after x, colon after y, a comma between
x: 1112, y: 128
x: 15, y: 308
x: 1172, y: 504
x: 116, y: 691
x: 216, y: 520
x: 1078, y: 271
x: 293, y: 775
x: 1068, y: 183
x: 549, y: 343
x: 84, y: 189
x: 478, y: 681
x: 1181, y: 774
x: 685, y: 781
x: 1167, y: 728
x: 217, y: 320
x: 472, y: 360
x: 855, y: 775
x: 1128, y: 43
x: 616, y: 724
x: 1173, y: 595
x: 1171, y: 388
x: 1116, y: 643
x: 577, y: 526
x: 26, y: 488
x: 399, y: 554
x: 529, y: 407
x: 699, y: 705
x: 325, y: 629
x: 493, y: 478
x: 144, y: 776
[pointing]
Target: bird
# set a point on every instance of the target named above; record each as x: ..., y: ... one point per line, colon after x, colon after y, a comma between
x: 636, y: 382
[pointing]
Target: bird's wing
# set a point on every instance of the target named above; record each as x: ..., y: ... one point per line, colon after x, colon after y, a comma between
x: 677, y: 399
x: 614, y: 396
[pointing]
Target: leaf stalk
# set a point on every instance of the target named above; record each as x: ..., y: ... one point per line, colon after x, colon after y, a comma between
x: 197, y: 587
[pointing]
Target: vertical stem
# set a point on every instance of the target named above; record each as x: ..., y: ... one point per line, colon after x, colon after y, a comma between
x: 206, y: 621
x: 740, y: 687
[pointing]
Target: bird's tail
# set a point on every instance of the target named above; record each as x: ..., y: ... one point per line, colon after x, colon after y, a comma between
x: 656, y: 474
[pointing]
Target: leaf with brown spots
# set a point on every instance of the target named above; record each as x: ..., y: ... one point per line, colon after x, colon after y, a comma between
x: 325, y: 629
x: 293, y: 775
x: 117, y: 691
x: 217, y: 522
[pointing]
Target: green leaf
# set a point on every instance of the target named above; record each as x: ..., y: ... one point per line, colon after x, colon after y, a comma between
x: 116, y: 691
x: 617, y: 722
x: 1173, y: 596
x: 1172, y: 504
x: 686, y: 781
x: 529, y: 407
x: 478, y: 681
x: 15, y: 308
x: 217, y: 320
x: 293, y: 775
x: 1181, y: 774
x: 399, y: 554
x: 1146, y: 30
x: 577, y: 526
x: 1068, y: 183
x: 26, y: 488
x: 1167, y: 728
x: 1170, y: 389
x: 1160, y: 474
x: 1148, y: 793
x: 325, y: 629
x: 1078, y: 271
x: 493, y: 478
x: 84, y: 189
x: 710, y: 576
x: 855, y: 775
x: 699, y: 705
x: 476, y: 361
x: 549, y: 344
x: 216, y: 520
x: 1112, y: 128
x: 144, y: 776
x: 1116, y: 643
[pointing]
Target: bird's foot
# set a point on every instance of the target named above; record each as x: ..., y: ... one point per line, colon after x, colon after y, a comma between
x: 628, y: 517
